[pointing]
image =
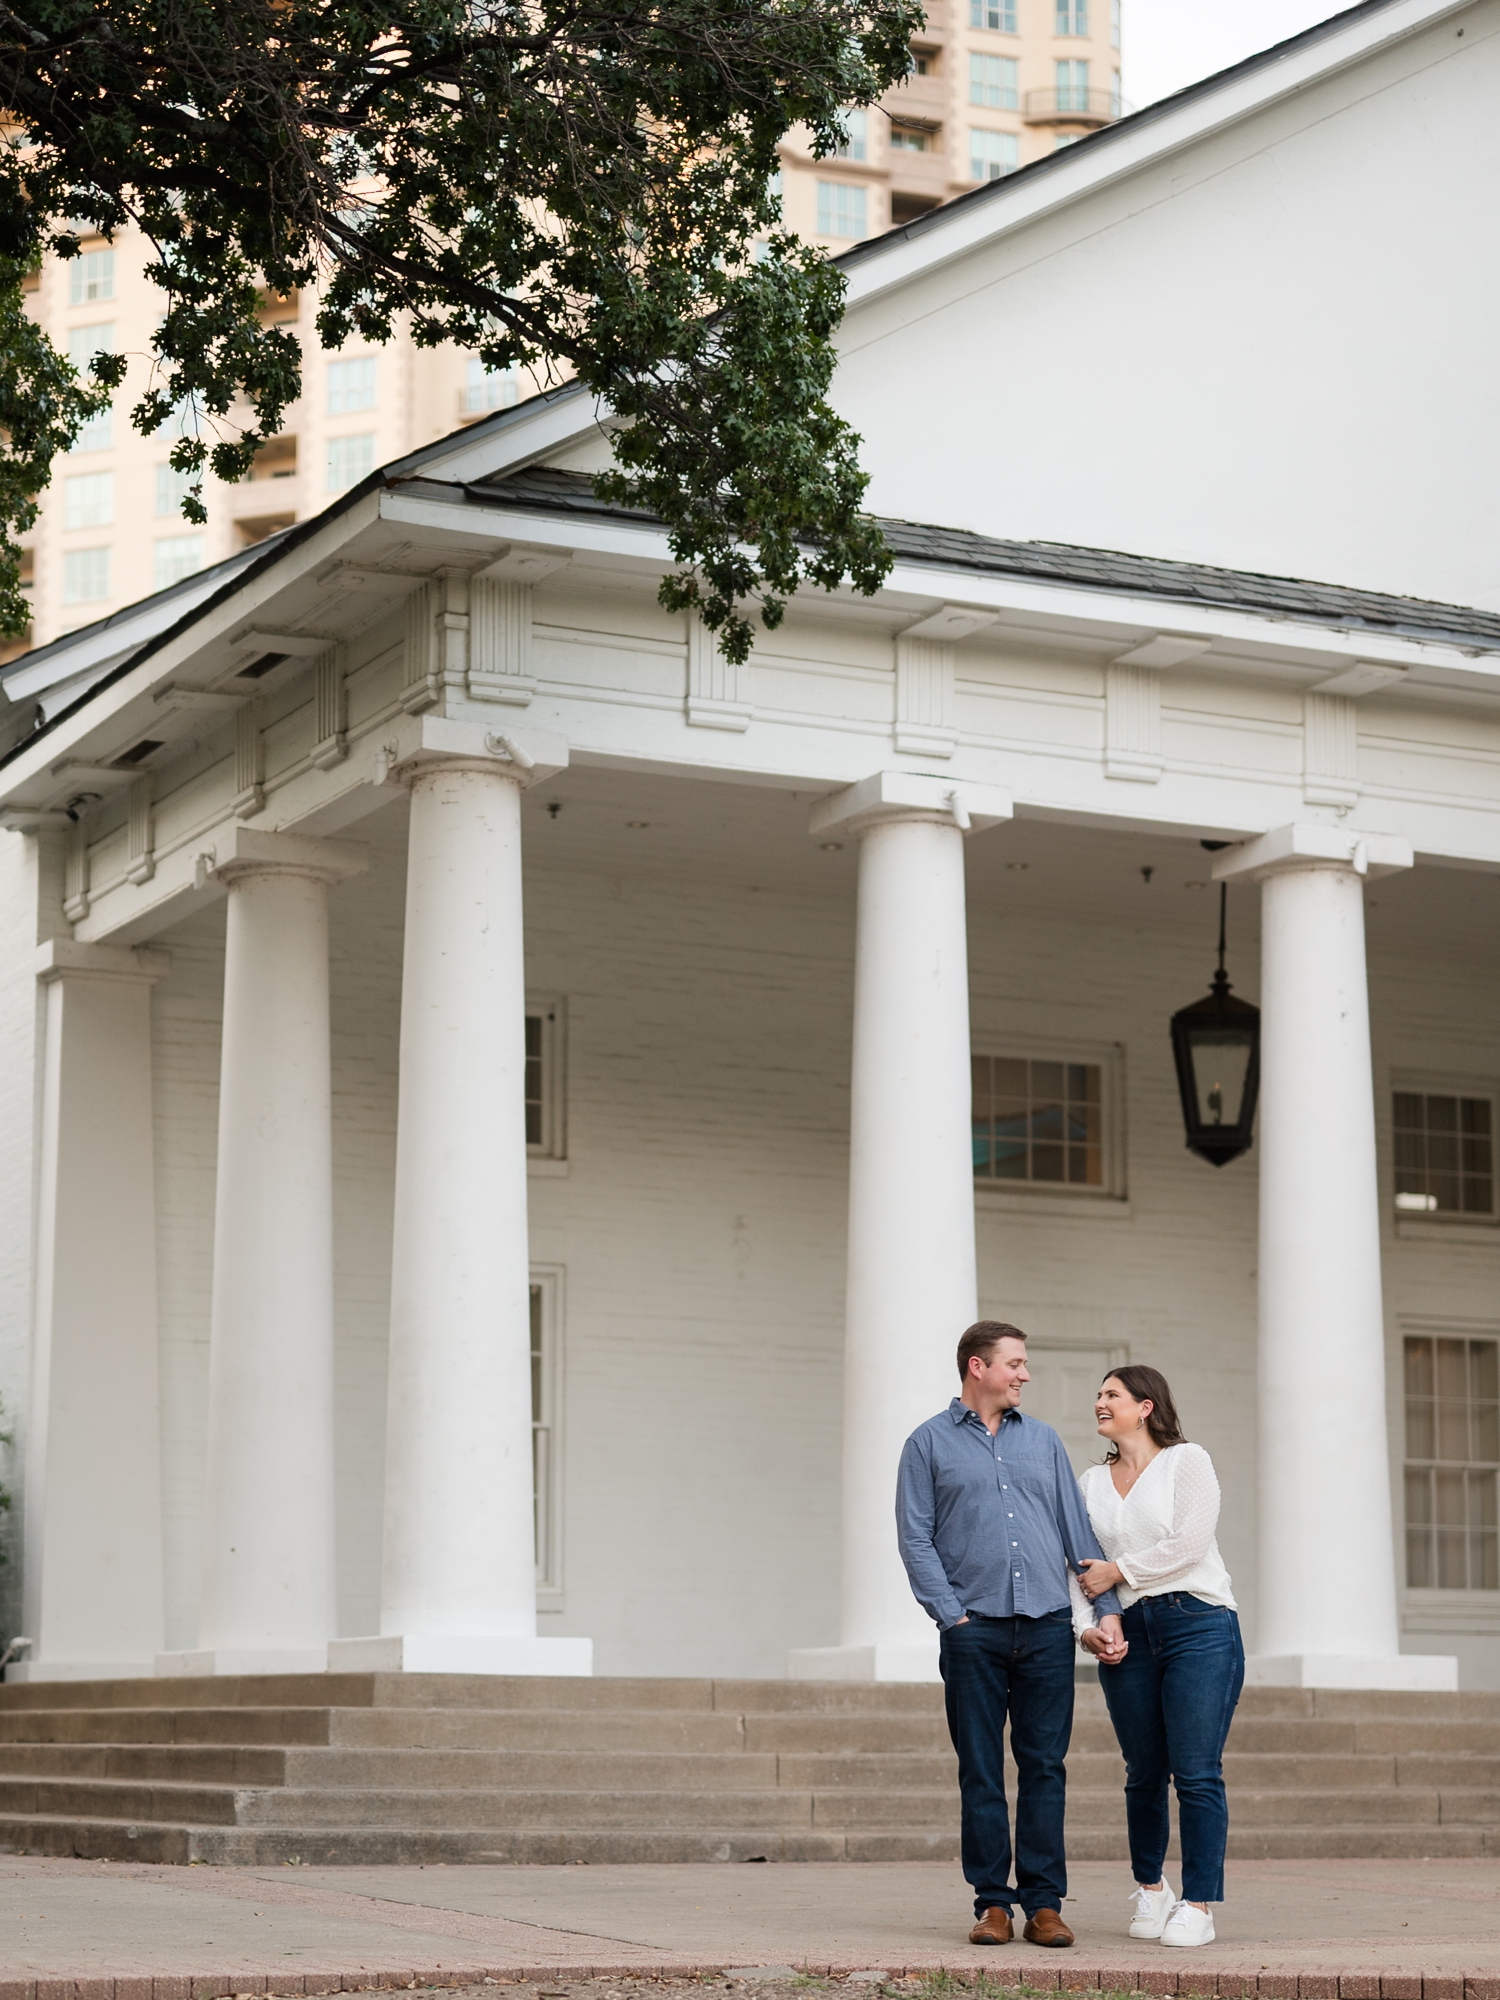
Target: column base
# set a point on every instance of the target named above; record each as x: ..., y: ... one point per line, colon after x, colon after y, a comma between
x: 865, y: 1663
x: 1416, y: 1673
x: 242, y: 1660
x: 79, y: 1670
x: 459, y: 1653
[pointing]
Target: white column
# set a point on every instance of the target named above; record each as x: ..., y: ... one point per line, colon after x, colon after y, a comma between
x: 268, y: 1601
x: 911, y: 1275
x: 459, y: 1583
x: 93, y: 1548
x: 1324, y: 1468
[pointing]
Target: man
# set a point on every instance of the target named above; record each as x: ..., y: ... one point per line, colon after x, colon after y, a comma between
x: 990, y: 1520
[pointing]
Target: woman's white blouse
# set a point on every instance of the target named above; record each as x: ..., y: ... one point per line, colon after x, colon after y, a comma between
x: 1161, y: 1535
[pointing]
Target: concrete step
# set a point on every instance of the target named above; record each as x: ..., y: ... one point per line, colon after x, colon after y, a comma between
x: 624, y: 1771
x: 562, y: 1729
x: 146, y: 1763
x: 169, y: 1725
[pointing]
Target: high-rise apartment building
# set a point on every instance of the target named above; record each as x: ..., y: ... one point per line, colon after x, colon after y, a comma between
x: 997, y: 84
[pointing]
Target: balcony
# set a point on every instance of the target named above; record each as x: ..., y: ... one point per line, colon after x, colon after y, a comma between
x: 1074, y: 106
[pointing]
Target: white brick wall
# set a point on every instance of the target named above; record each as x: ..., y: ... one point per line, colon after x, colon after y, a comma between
x: 701, y: 1220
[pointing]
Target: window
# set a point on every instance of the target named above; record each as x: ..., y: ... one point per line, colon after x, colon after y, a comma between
x: 351, y: 385
x: 1114, y: 23
x: 1116, y: 101
x: 1072, y: 86
x: 907, y: 139
x: 98, y: 434
x: 85, y: 576
x: 546, y: 1427
x: 992, y: 154
x: 349, y: 460
x: 171, y: 489
x: 999, y: 15
x: 1452, y: 1458
x: 1444, y: 1153
x: 178, y: 556
x: 992, y: 81
x: 841, y: 210
x: 855, y: 144
x: 490, y: 388
x: 1038, y: 1121
x: 89, y: 500
x: 84, y: 342
x: 1061, y: 139
x: 545, y: 1133
x: 91, y: 278
x: 1072, y: 17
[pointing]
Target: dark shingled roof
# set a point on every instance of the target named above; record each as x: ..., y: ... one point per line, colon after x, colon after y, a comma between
x: 1092, y: 569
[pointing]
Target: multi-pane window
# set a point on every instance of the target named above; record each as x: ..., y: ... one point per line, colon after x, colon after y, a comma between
x: 992, y: 154
x: 842, y: 210
x: 1452, y: 1463
x: 544, y: 1080
x: 85, y: 576
x: 546, y: 1427
x: 84, y: 342
x: 89, y: 500
x: 91, y: 278
x: 1445, y: 1160
x: 1038, y: 1121
x: 993, y: 81
x: 1072, y: 86
x: 490, y: 388
x: 1114, y: 23
x: 1071, y: 17
x: 908, y: 139
x: 350, y: 459
x: 854, y: 125
x: 351, y: 385
x: 999, y: 15
x: 171, y: 489
x: 1116, y: 101
x: 178, y: 556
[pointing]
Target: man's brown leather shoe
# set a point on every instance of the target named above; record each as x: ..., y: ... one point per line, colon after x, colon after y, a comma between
x: 1047, y: 1927
x: 994, y: 1927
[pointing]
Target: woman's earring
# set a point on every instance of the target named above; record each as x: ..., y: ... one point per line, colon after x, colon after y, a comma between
x: 1140, y: 1423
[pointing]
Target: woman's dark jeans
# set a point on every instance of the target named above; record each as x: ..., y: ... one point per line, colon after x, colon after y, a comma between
x: 1171, y: 1701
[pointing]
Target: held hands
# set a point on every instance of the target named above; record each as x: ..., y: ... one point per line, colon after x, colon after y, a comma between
x: 1106, y: 1641
x: 1096, y: 1577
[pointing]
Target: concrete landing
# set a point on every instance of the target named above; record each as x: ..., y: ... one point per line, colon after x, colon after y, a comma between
x: 1346, y: 1930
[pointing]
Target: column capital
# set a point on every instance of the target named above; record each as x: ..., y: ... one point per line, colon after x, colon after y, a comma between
x: 63, y: 958
x: 526, y: 756
x: 246, y: 850
x: 910, y: 795
x: 1309, y: 844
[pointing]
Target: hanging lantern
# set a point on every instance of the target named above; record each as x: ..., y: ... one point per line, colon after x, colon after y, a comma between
x: 1216, y: 1043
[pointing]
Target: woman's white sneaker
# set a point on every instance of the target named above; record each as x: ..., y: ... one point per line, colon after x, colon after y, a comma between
x: 1152, y: 1908
x: 1188, y: 1925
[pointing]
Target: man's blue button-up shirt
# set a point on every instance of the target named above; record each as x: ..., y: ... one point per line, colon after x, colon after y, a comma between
x: 991, y: 1524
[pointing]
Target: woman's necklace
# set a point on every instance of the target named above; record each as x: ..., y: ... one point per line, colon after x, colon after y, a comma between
x: 1130, y: 1477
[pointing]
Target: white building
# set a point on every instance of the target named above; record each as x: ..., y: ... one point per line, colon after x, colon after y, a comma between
x: 317, y: 1259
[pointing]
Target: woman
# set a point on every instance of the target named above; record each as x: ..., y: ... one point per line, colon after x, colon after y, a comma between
x: 1154, y: 1505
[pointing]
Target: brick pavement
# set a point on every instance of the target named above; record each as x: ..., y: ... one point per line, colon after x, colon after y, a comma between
x: 1332, y: 1930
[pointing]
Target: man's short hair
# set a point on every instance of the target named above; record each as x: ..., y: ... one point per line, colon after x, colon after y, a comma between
x: 982, y: 1338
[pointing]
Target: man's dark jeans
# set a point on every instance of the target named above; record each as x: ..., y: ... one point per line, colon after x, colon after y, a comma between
x: 1022, y: 1667
x: 1171, y: 1700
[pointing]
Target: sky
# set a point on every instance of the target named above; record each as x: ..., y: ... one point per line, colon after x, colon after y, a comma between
x: 1171, y: 43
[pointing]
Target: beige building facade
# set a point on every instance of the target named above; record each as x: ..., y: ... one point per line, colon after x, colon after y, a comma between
x: 997, y: 84
x: 111, y: 528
